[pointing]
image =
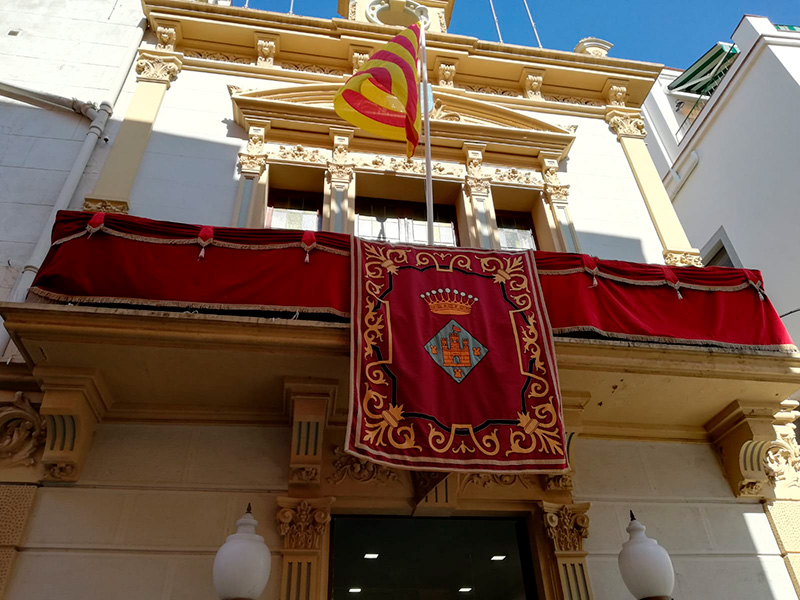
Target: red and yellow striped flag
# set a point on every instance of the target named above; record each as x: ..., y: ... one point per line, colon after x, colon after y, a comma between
x: 383, y: 97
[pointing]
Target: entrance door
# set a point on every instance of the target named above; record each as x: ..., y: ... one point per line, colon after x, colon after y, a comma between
x: 405, y: 558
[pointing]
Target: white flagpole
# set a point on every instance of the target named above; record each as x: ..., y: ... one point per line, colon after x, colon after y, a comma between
x: 426, y: 112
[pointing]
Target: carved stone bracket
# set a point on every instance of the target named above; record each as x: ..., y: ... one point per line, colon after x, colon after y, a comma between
x: 532, y: 80
x: 358, y: 56
x: 266, y: 49
x: 445, y: 70
x: 74, y: 402
x: 158, y: 67
x: 303, y: 523
x: 309, y: 416
x: 682, y: 258
x: 617, y: 93
x: 359, y: 469
x: 626, y: 124
x: 22, y: 432
x: 567, y: 525
x: 253, y: 161
x: 554, y: 190
x: 167, y: 37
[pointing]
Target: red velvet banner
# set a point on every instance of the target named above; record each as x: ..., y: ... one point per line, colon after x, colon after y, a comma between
x: 118, y: 259
x: 452, y: 359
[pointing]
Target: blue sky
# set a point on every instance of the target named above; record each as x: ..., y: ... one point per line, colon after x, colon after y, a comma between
x: 672, y: 32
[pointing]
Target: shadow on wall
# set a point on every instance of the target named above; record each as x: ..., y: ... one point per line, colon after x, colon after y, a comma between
x: 611, y: 247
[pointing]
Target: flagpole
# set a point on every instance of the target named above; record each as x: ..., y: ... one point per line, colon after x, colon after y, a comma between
x: 426, y: 112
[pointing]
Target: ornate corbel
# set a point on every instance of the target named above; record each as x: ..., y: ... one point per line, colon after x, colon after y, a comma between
x: 74, y: 402
x: 253, y: 161
x: 157, y: 66
x: 445, y: 70
x: 266, y: 48
x: 532, y: 80
x: 309, y: 403
x: 626, y: 124
x: 168, y: 34
x: 617, y: 93
x: 554, y: 190
x: 358, y: 56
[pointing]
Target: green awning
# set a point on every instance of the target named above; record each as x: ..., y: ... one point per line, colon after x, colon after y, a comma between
x: 705, y: 74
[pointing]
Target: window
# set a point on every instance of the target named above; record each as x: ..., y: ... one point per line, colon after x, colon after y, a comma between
x: 413, y: 558
x: 294, y: 209
x: 404, y: 222
x: 515, y: 230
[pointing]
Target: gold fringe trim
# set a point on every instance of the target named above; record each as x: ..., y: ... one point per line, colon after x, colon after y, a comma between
x: 789, y: 348
x: 182, y: 304
x: 187, y: 242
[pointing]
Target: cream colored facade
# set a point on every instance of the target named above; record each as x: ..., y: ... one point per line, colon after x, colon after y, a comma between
x: 182, y: 419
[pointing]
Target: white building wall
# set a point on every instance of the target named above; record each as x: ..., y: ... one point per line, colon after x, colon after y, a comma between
x: 747, y: 177
x: 73, y: 49
x: 721, y: 548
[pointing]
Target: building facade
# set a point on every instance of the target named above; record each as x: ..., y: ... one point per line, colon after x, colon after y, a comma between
x: 134, y: 438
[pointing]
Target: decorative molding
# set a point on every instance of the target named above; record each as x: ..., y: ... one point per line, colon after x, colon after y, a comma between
x: 617, y: 94
x: 439, y: 113
x: 406, y: 165
x: 593, y: 47
x: 302, y: 523
x: 359, y: 469
x: 442, y: 22
x: 514, y: 175
x: 221, y: 56
x: 533, y: 86
x: 447, y: 74
x: 311, y: 68
x: 558, y: 483
x: 682, y: 258
x: 339, y: 172
x: 351, y: 13
x: 485, y: 89
x: 298, y: 154
x: 478, y: 186
x: 490, y: 480
x: 304, y: 475
x: 446, y: 170
x: 22, y: 432
x: 166, y: 37
x: 158, y: 68
x: 626, y: 124
x: 572, y: 100
x: 107, y: 206
x: 567, y: 525
x: 358, y: 59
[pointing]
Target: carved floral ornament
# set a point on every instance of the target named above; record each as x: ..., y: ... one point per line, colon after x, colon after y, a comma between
x: 22, y: 432
x: 626, y: 124
x: 166, y: 37
x: 302, y: 524
x: 682, y: 259
x: 359, y: 469
x: 160, y: 68
x: 783, y: 460
x: 567, y: 525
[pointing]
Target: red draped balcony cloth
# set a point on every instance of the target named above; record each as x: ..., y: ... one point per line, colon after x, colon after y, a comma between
x: 99, y: 258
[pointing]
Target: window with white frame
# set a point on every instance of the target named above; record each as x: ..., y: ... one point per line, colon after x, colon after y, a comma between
x: 404, y: 222
x: 294, y: 209
x: 515, y: 230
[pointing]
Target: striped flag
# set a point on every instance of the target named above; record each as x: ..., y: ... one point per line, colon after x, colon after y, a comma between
x: 383, y: 97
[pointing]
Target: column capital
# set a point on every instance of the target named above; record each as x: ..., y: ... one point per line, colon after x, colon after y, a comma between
x: 158, y: 66
x: 302, y: 523
x: 567, y: 525
x: 253, y: 161
x: 626, y: 124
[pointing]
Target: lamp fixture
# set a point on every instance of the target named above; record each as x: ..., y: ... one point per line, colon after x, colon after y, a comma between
x: 371, y: 556
x: 499, y: 557
x: 465, y: 590
x: 242, y: 564
x: 645, y: 566
x: 354, y: 590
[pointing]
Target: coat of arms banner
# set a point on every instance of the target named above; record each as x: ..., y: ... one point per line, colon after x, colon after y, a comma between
x: 453, y: 364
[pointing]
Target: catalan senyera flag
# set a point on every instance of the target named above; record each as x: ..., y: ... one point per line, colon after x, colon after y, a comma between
x: 383, y: 97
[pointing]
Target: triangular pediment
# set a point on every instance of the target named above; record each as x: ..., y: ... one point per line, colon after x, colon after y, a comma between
x: 448, y: 106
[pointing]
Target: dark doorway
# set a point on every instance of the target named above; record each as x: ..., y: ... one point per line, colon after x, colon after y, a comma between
x: 430, y: 559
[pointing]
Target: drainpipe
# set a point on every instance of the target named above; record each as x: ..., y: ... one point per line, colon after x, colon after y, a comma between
x: 99, y: 118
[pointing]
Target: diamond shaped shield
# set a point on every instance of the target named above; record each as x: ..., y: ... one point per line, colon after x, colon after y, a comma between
x: 455, y: 350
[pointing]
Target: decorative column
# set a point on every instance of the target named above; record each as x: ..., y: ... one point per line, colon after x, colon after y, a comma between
x: 156, y: 69
x: 304, y: 527
x: 16, y: 502
x: 556, y: 194
x: 630, y: 130
x: 477, y: 197
x: 338, y: 211
x: 249, y: 211
x: 567, y: 525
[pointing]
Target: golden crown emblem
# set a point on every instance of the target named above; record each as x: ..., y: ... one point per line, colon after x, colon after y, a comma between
x: 449, y: 302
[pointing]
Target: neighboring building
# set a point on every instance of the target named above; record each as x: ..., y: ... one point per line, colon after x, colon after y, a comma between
x: 737, y: 204
x: 170, y: 423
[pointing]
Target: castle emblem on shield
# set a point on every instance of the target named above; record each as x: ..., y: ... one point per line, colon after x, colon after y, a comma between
x: 455, y: 350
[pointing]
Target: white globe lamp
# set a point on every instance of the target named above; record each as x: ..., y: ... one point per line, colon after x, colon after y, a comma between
x: 242, y: 564
x: 645, y: 566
